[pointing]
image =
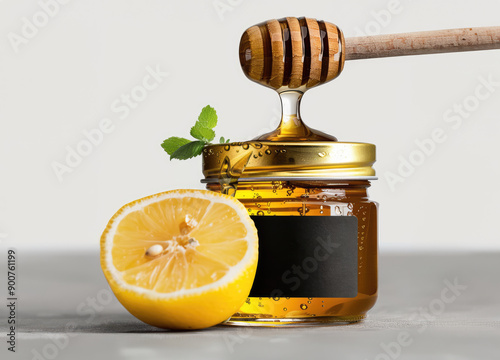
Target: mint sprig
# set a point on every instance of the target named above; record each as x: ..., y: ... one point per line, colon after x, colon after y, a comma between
x: 202, y: 131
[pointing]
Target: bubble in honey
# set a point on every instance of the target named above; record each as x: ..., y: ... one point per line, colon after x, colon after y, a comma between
x: 227, y: 147
x: 285, y: 309
x: 260, y: 153
x: 309, y: 298
x: 309, y: 301
x: 303, y: 306
x: 260, y: 213
x: 245, y: 146
x: 322, y: 154
x: 255, y: 156
x: 283, y: 151
x: 288, y: 298
x: 276, y: 298
x: 303, y: 210
x: 289, y: 192
x: 268, y: 152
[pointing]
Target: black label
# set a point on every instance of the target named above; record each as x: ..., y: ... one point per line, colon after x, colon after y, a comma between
x: 307, y: 256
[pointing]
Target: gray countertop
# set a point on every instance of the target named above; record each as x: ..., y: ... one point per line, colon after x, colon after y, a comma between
x: 65, y: 311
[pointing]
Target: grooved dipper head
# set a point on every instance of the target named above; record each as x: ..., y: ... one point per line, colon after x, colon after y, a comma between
x: 292, y: 53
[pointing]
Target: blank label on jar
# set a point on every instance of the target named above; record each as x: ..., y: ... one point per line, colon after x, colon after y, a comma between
x: 307, y: 256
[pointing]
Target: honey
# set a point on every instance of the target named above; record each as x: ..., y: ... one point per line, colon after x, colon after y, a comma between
x: 313, y: 198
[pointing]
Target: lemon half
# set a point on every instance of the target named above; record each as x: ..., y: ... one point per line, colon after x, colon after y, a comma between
x: 182, y: 259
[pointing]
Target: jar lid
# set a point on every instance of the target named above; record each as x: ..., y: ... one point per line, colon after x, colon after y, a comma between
x: 272, y: 160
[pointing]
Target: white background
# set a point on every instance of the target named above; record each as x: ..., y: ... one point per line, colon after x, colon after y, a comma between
x: 63, y: 80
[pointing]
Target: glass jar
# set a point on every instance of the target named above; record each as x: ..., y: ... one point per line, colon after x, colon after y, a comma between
x: 317, y: 231
x: 313, y: 198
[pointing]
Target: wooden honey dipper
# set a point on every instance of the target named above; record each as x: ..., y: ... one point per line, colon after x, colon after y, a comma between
x: 292, y: 55
x: 299, y: 53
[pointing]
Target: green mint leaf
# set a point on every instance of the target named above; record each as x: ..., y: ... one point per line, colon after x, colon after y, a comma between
x: 208, y: 117
x: 202, y: 133
x: 189, y: 150
x: 173, y: 143
x: 222, y: 141
x: 228, y: 141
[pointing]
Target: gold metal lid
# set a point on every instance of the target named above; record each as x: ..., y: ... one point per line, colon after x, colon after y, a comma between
x: 270, y: 160
x: 290, y: 55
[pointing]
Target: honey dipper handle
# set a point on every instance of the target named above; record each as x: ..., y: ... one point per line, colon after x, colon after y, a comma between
x: 425, y: 42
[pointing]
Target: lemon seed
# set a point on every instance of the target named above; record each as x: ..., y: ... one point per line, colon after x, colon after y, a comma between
x: 187, y: 225
x: 154, y: 250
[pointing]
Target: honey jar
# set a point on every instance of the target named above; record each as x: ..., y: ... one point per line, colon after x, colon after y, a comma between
x: 306, y: 191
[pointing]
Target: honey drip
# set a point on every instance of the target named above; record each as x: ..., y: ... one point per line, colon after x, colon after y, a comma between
x: 230, y: 173
x: 291, y: 127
